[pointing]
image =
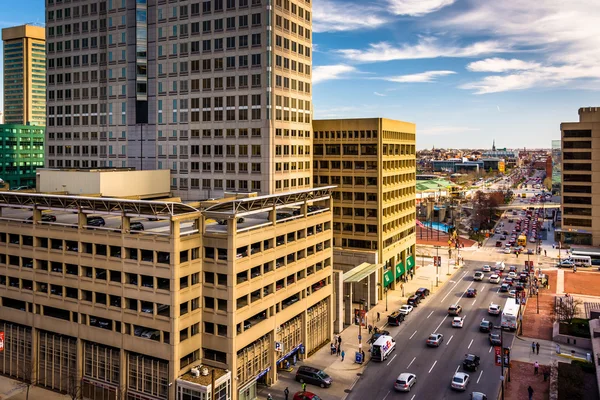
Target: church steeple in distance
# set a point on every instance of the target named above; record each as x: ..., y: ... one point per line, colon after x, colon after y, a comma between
x: 494, y: 145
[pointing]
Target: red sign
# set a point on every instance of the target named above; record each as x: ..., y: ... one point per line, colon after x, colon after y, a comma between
x: 1, y: 341
x: 498, y: 355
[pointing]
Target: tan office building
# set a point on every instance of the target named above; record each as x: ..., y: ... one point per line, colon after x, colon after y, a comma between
x: 24, y: 75
x: 581, y: 179
x: 143, y: 299
x: 372, y: 162
x: 213, y: 91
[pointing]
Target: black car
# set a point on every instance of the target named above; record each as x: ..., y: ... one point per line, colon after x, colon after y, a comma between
x: 413, y: 300
x: 376, y: 336
x: 314, y: 376
x: 471, y: 292
x: 471, y: 362
x: 485, y: 326
x: 422, y: 292
x: 395, y: 318
x: 45, y: 218
x: 95, y: 221
x: 136, y: 226
x: 495, y: 339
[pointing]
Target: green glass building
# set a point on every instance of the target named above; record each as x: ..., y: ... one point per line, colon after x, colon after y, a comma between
x: 21, y: 153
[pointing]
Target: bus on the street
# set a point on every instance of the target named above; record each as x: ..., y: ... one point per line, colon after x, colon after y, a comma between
x: 510, y: 315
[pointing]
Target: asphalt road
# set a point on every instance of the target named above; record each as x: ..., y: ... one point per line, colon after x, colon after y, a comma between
x: 434, y: 367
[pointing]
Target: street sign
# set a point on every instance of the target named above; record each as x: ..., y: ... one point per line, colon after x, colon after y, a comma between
x: 1, y: 341
x: 278, y: 346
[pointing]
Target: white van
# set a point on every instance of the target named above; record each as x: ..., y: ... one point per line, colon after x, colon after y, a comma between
x: 382, y: 347
x: 581, y: 261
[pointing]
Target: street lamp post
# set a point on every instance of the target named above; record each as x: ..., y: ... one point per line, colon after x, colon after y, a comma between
x: 386, y: 296
x: 437, y: 266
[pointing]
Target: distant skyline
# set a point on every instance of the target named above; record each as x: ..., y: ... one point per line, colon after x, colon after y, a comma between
x: 465, y: 71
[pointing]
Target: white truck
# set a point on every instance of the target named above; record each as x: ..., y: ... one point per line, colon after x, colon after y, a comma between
x: 510, y: 315
x: 382, y: 347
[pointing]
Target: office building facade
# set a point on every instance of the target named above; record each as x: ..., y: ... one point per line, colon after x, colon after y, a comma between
x: 24, y: 75
x: 213, y: 91
x: 372, y: 163
x: 22, y: 152
x: 580, y: 201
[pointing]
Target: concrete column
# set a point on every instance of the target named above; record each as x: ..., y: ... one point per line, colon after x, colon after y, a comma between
x: 273, y: 215
x: 175, y: 229
x: 34, y: 350
x: 372, y: 294
x: 338, y: 302
x: 37, y: 215
x: 81, y: 219
x: 348, y: 315
x: 125, y: 223
x: 79, y: 370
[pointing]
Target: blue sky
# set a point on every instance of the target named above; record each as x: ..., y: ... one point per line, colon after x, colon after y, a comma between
x: 465, y: 71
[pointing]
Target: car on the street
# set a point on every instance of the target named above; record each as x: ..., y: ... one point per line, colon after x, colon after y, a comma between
x: 471, y: 292
x: 478, y: 276
x: 422, y: 292
x: 495, y: 339
x: 95, y: 221
x: 498, y: 243
x: 458, y: 322
x: 503, y: 237
x: 565, y: 263
x: 413, y: 300
x: 314, y: 376
x: 494, y: 278
x: 45, y: 218
x: 395, y: 318
x: 512, y: 293
x: 405, y: 309
x: 505, y: 287
x: 136, y: 226
x: 376, y: 336
x: 478, y: 396
x: 506, y: 250
x: 486, y: 268
x: 405, y: 382
x: 494, y: 309
x: 485, y: 326
x: 471, y: 362
x: 305, y: 396
x: 434, y: 340
x: 460, y: 380
x: 454, y: 309
x: 512, y: 274
x: 529, y: 251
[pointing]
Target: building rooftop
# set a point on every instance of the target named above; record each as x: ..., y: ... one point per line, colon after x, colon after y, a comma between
x: 204, y: 380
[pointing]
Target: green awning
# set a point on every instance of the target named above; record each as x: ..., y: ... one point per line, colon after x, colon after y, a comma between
x: 400, y: 269
x: 388, y: 277
x: 410, y: 262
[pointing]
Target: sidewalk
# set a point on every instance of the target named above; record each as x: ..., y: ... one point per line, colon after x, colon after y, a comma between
x: 521, y: 351
x: 345, y: 374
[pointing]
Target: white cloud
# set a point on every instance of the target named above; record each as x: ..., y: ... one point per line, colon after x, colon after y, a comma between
x: 417, y: 8
x: 379, y: 94
x: 422, y: 77
x: 445, y: 130
x: 328, y: 72
x: 501, y: 65
x: 331, y: 16
x: 428, y: 47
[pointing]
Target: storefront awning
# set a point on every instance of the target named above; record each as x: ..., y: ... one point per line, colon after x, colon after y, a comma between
x: 360, y: 272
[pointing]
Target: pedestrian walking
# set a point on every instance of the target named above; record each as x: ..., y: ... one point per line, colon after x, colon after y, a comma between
x: 286, y: 393
x: 557, y: 348
x: 533, y: 347
x: 304, y: 387
x: 339, y: 340
x: 332, y: 348
x: 378, y: 317
x: 553, y: 246
x: 545, y: 253
x: 530, y: 391
x: 370, y: 328
x: 536, y: 367
x: 343, y: 355
x: 537, y: 347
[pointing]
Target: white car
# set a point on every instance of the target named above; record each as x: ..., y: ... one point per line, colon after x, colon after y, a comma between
x: 405, y: 309
x: 506, y: 250
x: 494, y: 309
x: 512, y: 274
x: 486, y: 268
x: 478, y: 276
x: 512, y: 293
x: 460, y: 380
x: 500, y: 265
x: 494, y: 279
x: 405, y: 381
x: 458, y: 322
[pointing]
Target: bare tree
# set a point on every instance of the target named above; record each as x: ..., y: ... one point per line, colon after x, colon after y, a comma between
x: 566, y: 309
x: 27, y: 371
x: 73, y: 385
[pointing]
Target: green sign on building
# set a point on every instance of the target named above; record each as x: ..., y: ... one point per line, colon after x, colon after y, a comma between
x: 388, y: 277
x: 410, y: 262
x: 400, y: 269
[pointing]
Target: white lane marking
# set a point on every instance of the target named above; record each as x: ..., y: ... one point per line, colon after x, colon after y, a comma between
x: 413, y: 398
x: 453, y: 287
x: 438, y: 327
x: 457, y: 368
x: 449, y: 340
x: 470, y: 344
x: 490, y: 350
x: 392, y: 359
x: 413, y: 360
x: 473, y: 303
x: 411, y: 336
x: 481, y: 373
x: 431, y: 369
x: 430, y: 314
x: 465, y: 292
x: 388, y: 393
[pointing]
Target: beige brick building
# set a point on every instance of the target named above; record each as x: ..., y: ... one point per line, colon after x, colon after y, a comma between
x: 213, y: 91
x: 24, y: 75
x: 124, y: 298
x: 372, y: 163
x: 581, y: 179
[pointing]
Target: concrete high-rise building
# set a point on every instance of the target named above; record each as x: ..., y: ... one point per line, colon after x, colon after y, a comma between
x: 121, y: 295
x: 217, y: 92
x: 580, y: 204
x: 372, y: 163
x: 24, y: 75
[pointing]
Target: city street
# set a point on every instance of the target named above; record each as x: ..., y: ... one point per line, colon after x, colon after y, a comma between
x: 434, y: 367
